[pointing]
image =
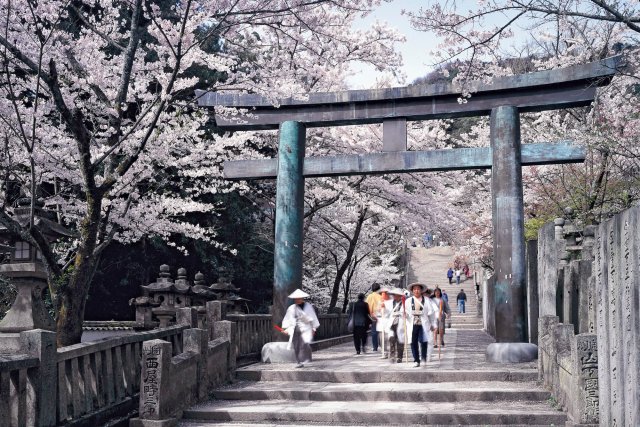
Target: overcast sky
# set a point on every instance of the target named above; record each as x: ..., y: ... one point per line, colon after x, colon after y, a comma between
x: 414, y: 51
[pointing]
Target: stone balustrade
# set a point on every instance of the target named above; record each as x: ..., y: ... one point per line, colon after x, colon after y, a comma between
x: 15, y: 402
x: 95, y: 377
x: 27, y: 382
x: 91, y: 383
x: 331, y: 326
x: 254, y: 331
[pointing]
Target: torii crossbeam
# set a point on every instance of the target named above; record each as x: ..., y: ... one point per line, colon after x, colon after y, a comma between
x: 503, y: 100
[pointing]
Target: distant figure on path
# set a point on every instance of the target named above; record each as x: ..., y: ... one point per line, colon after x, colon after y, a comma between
x: 300, y: 323
x: 461, y: 299
x: 458, y: 273
x: 373, y: 301
x: 445, y: 296
x: 361, y: 321
x: 450, y: 275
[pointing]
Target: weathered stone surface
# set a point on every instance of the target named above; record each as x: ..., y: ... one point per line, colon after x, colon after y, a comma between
x: 488, y: 306
x: 187, y: 316
x: 533, y: 308
x: 570, y: 295
x: 228, y: 331
x: 547, y: 270
x: 617, y: 263
x: 585, y: 408
x: 586, y: 308
x: 43, y: 380
x: 156, y: 361
x: 508, y: 226
x: 511, y: 352
x: 287, y: 273
x: 27, y: 311
x: 545, y: 328
x: 195, y: 340
x: 277, y: 352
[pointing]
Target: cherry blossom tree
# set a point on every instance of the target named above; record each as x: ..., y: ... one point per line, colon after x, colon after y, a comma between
x: 97, y: 115
x: 499, y: 37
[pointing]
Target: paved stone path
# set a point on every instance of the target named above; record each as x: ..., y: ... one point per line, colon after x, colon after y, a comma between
x: 430, y: 266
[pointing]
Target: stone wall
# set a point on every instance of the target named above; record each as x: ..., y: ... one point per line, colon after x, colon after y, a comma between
x: 589, y: 325
x: 617, y: 289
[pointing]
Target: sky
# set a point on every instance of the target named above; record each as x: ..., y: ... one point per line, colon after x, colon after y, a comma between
x: 414, y: 50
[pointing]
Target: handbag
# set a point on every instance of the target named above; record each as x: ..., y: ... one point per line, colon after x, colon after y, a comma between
x: 350, y: 324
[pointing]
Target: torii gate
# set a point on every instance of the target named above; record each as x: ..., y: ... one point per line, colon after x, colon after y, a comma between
x: 503, y: 100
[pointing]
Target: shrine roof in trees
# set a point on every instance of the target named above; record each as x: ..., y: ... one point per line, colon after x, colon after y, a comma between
x: 544, y: 90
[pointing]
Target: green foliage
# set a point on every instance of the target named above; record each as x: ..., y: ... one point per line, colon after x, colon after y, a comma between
x: 532, y: 226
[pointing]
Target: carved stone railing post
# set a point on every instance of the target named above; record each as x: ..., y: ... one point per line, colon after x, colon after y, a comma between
x: 586, y: 393
x: 195, y: 340
x: 187, y: 316
x: 42, y: 381
x: 156, y: 365
x: 228, y: 331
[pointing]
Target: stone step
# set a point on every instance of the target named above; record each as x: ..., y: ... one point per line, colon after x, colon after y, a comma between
x: 194, y: 423
x: 394, y: 413
x: 407, y: 392
x: 422, y: 375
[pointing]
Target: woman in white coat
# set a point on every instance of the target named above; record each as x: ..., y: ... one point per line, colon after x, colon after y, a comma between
x: 300, y: 323
x: 395, y: 319
x: 421, y: 322
x: 382, y: 315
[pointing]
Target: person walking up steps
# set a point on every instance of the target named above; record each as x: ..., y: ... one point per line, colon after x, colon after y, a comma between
x: 395, y: 326
x: 373, y: 301
x: 450, y: 275
x: 360, y: 315
x: 461, y: 299
x: 421, y: 323
x: 300, y: 323
x: 458, y: 273
x: 443, y: 313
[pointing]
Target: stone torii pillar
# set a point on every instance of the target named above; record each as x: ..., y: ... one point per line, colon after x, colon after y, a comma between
x: 508, y: 226
x: 287, y: 273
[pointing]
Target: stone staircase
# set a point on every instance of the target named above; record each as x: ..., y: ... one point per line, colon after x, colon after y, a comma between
x: 340, y: 388
x: 458, y: 387
x: 430, y: 266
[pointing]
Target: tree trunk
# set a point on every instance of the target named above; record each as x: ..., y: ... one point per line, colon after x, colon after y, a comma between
x: 72, y: 295
x: 353, y: 242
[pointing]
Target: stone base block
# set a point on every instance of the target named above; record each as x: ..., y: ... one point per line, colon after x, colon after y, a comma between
x: 572, y: 424
x: 277, y: 352
x: 138, y: 422
x: 10, y: 343
x: 511, y: 352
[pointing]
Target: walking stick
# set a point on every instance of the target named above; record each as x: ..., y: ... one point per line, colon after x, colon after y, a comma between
x: 440, y: 332
x: 404, y: 318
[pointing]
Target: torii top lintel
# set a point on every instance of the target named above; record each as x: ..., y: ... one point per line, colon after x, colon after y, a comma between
x: 544, y: 90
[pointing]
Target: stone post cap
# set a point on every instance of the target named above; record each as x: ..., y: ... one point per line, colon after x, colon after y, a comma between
x: 589, y: 230
x: 559, y: 222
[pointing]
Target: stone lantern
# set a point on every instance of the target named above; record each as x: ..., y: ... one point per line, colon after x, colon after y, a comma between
x: 201, y: 292
x: 227, y: 292
x: 26, y: 269
x: 166, y: 296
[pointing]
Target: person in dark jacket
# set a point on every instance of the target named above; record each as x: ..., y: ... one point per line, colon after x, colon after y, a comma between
x: 361, y: 321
